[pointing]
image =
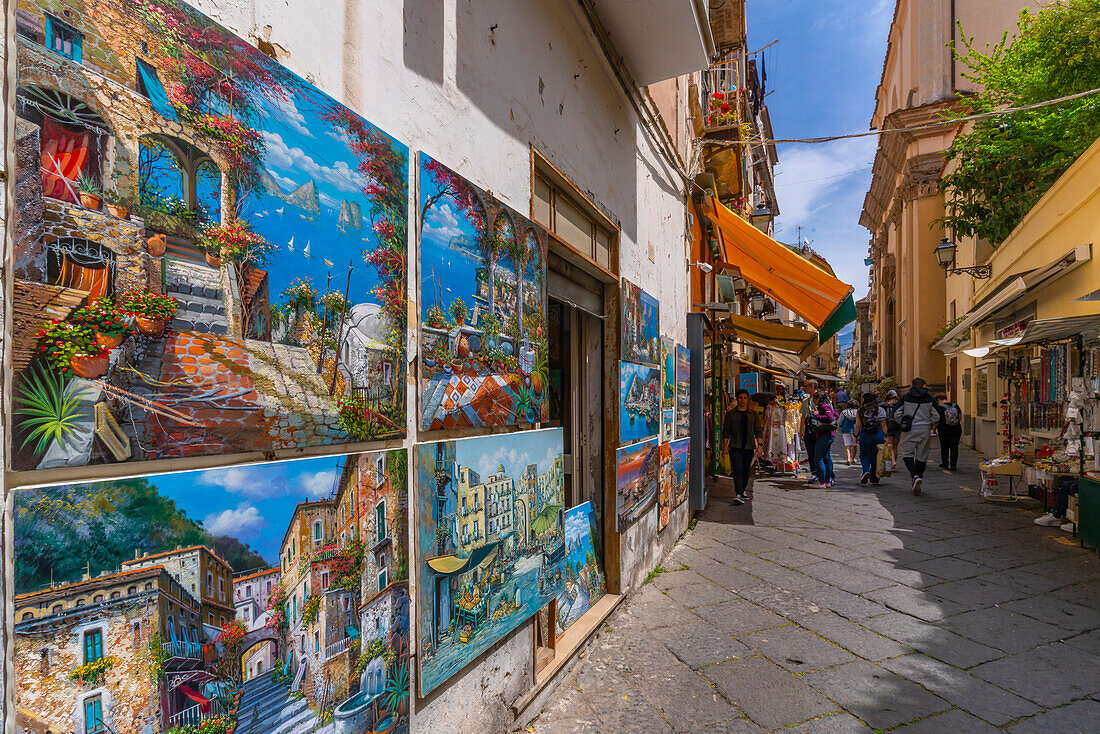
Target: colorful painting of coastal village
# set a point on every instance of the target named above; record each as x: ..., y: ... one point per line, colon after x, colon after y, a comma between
x: 585, y: 583
x: 636, y: 481
x: 491, y: 543
x: 483, y: 346
x: 640, y: 342
x: 264, y: 598
x: 664, y: 479
x: 639, y: 402
x: 678, y: 471
x: 683, y: 381
x: 668, y: 372
x: 210, y: 253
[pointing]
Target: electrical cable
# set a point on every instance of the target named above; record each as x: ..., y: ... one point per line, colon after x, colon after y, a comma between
x: 925, y: 126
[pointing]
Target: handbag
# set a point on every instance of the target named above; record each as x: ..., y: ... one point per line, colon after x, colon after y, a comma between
x: 724, y: 464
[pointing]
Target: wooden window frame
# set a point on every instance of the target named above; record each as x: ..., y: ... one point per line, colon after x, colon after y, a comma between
x: 559, y: 184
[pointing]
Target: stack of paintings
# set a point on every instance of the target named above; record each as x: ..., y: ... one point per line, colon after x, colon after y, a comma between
x: 483, y: 345
x: 668, y: 385
x: 491, y: 543
x: 683, y: 381
x: 637, y: 480
x: 678, y: 471
x: 640, y: 404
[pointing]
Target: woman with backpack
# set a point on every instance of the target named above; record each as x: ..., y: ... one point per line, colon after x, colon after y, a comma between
x: 950, y: 430
x: 824, y: 422
x: 870, y: 429
x: 893, y: 429
x: 848, y: 414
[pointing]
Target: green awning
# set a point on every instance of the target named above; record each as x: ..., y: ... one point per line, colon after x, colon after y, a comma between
x: 844, y: 314
x: 546, y: 519
x: 351, y: 632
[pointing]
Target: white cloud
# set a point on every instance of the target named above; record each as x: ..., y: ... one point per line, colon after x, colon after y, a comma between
x: 288, y: 184
x: 317, y: 485
x: 286, y: 158
x: 862, y: 20
x: 287, y: 112
x: 328, y: 201
x: 488, y: 463
x: 244, y: 521
x: 251, y: 482
x: 441, y: 224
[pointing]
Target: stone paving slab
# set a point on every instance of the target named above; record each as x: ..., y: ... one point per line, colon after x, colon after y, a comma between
x: 845, y: 609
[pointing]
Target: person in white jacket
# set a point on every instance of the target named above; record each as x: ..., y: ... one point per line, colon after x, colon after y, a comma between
x: 916, y: 414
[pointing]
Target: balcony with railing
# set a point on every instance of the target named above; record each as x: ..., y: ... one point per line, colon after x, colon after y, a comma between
x: 194, y: 715
x: 181, y: 654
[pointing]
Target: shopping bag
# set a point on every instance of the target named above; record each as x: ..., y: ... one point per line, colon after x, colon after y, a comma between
x: 724, y: 464
x: 884, y: 463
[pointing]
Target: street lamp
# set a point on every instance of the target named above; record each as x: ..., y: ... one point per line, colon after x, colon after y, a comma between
x: 945, y: 256
x: 761, y: 217
x: 757, y: 303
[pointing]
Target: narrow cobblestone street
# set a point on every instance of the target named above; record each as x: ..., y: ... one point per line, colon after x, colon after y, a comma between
x: 851, y: 610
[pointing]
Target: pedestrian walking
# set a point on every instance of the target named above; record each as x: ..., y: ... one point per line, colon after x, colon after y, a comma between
x: 871, y: 430
x: 842, y: 397
x: 916, y: 415
x: 825, y: 422
x: 742, y: 435
x: 809, y: 436
x: 848, y: 415
x: 949, y: 428
x: 893, y: 430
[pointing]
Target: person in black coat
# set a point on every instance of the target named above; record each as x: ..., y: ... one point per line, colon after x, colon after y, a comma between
x: 949, y: 428
x: 742, y: 435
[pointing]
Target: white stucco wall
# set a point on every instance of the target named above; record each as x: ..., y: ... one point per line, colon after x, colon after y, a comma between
x: 475, y: 83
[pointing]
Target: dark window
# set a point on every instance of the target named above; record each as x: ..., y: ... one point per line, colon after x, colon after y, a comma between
x: 63, y: 39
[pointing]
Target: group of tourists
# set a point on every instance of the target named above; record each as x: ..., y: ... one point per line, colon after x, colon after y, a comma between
x: 877, y: 431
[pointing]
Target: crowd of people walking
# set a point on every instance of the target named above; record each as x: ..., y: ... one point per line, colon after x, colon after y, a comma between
x: 877, y: 431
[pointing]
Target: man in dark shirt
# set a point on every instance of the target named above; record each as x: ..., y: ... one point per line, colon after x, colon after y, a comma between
x: 742, y: 432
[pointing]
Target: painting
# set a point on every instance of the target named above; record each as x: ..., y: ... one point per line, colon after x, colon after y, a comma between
x: 640, y: 326
x: 678, y: 470
x: 683, y: 398
x: 636, y: 481
x: 235, y: 598
x: 639, y: 402
x: 483, y: 346
x: 491, y: 542
x: 585, y: 583
x: 668, y: 418
x: 668, y: 373
x: 210, y: 252
x: 664, y: 479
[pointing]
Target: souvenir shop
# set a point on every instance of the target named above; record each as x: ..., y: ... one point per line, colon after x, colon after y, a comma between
x: 1048, y: 419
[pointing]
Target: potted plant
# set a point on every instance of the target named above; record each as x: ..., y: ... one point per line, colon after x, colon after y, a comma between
x: 236, y: 242
x: 118, y: 205
x: 151, y: 311
x: 90, y: 191
x: 72, y: 347
x: 213, y: 252
x: 110, y: 325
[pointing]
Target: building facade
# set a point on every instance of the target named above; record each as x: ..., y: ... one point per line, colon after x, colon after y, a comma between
x: 205, y: 576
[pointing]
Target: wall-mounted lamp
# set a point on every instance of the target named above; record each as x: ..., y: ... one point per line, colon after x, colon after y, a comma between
x: 761, y: 217
x: 705, y: 267
x: 945, y: 256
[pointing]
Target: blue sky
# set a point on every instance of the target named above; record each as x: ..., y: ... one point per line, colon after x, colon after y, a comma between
x: 251, y: 503
x: 824, y: 72
x: 486, y: 453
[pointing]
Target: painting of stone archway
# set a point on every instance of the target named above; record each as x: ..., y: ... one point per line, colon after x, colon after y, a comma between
x: 241, y: 597
x: 483, y: 345
x: 210, y: 253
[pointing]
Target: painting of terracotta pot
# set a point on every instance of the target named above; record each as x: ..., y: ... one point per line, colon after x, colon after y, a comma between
x: 153, y: 328
x: 89, y: 367
x: 156, y: 245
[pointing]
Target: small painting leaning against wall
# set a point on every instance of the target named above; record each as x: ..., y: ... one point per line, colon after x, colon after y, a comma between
x: 639, y: 402
x: 210, y: 252
x: 585, y: 583
x: 678, y: 470
x: 219, y: 599
x: 683, y: 395
x: 641, y: 326
x: 491, y: 544
x: 667, y: 423
x: 636, y: 480
x: 664, y: 479
x: 483, y: 345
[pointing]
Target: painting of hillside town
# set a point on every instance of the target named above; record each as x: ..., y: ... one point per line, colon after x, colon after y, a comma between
x: 668, y: 372
x: 636, y: 484
x: 483, y: 346
x: 210, y: 253
x: 640, y: 342
x: 683, y: 397
x: 639, y: 402
x: 664, y: 485
x: 678, y: 470
x: 263, y: 598
x: 585, y: 583
x: 491, y: 543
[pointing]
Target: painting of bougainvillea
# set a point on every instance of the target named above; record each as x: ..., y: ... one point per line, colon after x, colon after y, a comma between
x: 210, y: 253
x: 641, y: 325
x: 132, y: 583
x: 483, y: 345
